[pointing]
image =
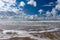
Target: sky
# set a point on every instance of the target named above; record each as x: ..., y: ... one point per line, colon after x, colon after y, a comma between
x: 29, y: 9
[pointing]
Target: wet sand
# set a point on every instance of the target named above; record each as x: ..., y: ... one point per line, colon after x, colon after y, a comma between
x: 17, y: 38
x: 49, y: 35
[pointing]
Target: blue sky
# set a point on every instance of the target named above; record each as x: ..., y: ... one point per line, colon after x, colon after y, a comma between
x: 40, y: 5
x: 29, y: 9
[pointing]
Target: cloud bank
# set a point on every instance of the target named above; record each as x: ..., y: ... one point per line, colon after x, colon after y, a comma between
x: 7, y: 9
x: 8, y: 6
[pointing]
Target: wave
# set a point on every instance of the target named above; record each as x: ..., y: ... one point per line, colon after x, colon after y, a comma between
x: 7, y: 34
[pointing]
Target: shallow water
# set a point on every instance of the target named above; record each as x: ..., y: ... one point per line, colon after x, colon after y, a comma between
x: 29, y: 30
x: 23, y: 35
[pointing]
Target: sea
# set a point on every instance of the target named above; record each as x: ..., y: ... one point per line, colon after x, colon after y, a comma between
x: 31, y: 29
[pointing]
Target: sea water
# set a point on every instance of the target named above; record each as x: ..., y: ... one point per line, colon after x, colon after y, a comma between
x: 10, y: 29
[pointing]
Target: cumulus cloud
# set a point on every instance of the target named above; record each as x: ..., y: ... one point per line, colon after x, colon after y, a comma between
x: 22, y: 4
x: 58, y: 5
x: 54, y: 12
x: 48, y: 13
x: 10, y: 2
x: 31, y: 17
x: 58, y: 1
x: 40, y: 11
x: 1, y: 4
x: 32, y: 2
x: 5, y: 5
x: 5, y: 9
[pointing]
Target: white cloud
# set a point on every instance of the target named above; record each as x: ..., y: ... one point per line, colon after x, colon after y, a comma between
x: 1, y: 4
x: 29, y: 17
x: 5, y: 5
x: 6, y: 0
x: 32, y: 2
x: 58, y: 1
x: 10, y: 2
x: 15, y: 10
x: 22, y: 4
x: 49, y: 4
x: 48, y: 13
x: 40, y: 11
x: 58, y: 5
x: 54, y: 12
